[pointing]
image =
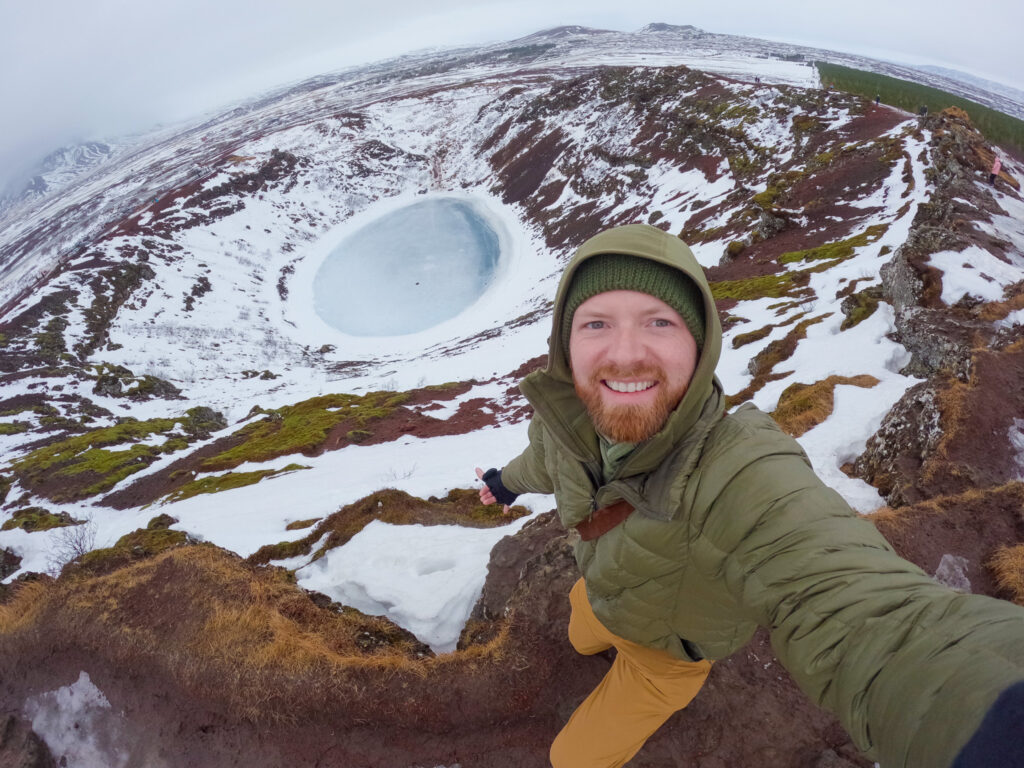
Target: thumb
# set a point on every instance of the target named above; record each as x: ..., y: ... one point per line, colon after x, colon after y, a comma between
x: 479, y: 473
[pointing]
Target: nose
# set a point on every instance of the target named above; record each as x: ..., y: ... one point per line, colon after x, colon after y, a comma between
x: 626, y: 347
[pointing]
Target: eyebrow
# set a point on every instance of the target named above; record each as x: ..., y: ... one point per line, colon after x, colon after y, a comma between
x: 594, y: 314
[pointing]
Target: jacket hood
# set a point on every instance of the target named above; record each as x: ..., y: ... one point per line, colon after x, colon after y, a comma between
x: 551, y: 390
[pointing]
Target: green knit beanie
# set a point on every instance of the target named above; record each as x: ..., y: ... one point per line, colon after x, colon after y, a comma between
x: 619, y: 272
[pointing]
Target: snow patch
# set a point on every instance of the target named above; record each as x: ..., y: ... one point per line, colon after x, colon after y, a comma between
x: 424, y: 578
x: 1017, y: 441
x: 974, y: 272
x: 1012, y: 319
x: 78, y: 725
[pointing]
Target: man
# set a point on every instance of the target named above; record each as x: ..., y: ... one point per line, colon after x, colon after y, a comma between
x: 697, y: 527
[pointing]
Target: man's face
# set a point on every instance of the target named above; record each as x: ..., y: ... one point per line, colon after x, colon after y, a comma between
x: 632, y: 359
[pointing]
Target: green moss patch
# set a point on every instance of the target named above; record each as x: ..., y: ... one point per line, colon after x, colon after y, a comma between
x: 38, y: 519
x: 765, y: 286
x: 806, y: 124
x: 155, y: 538
x: 94, y: 462
x: 227, y: 481
x: 303, y: 427
x: 838, y: 251
x: 860, y: 306
x: 460, y: 507
x: 14, y: 428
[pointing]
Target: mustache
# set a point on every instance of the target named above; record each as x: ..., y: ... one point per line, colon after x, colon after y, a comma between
x: 648, y: 372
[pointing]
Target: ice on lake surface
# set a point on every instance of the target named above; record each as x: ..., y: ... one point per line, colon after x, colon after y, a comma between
x: 408, y: 270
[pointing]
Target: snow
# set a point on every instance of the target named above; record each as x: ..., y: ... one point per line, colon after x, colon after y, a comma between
x: 78, y: 725
x: 1017, y: 441
x: 424, y: 578
x: 973, y: 272
x: 1014, y: 318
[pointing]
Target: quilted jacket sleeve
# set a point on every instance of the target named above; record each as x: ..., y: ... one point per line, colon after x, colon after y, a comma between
x: 908, y: 666
x: 527, y: 473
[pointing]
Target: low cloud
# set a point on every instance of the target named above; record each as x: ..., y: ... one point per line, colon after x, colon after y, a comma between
x: 78, y: 71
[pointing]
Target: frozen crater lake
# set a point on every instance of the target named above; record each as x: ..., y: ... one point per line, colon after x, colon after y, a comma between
x: 408, y: 270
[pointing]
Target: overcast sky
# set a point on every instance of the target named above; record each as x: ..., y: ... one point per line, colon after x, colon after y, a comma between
x: 72, y: 70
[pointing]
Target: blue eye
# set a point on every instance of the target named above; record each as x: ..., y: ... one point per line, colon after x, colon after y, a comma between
x: 594, y: 324
x: 662, y: 323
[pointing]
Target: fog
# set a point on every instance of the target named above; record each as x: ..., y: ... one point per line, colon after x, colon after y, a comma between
x: 99, y: 70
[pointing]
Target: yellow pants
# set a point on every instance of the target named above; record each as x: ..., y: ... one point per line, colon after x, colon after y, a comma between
x: 640, y: 692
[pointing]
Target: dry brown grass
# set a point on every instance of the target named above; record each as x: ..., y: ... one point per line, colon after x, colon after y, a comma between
x: 23, y: 610
x: 762, y: 366
x: 899, y: 518
x: 997, y: 310
x: 1007, y: 565
x: 804, y: 406
x: 460, y: 507
x: 242, y: 638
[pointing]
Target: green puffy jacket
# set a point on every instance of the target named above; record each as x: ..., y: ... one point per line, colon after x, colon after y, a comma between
x: 733, y: 530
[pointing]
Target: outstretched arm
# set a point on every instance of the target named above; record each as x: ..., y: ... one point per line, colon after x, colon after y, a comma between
x: 908, y: 666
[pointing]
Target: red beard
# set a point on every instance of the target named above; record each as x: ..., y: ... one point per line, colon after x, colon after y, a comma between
x: 628, y: 423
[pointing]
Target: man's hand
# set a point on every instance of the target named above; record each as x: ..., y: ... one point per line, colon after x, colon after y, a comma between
x: 486, y: 496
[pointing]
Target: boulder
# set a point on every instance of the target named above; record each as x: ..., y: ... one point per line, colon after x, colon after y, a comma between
x: 893, y: 456
x: 9, y: 563
x: 940, y: 341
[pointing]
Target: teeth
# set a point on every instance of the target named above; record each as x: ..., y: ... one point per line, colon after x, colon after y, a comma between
x: 629, y: 386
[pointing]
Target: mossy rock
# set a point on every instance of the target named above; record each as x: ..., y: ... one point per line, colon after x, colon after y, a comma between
x: 767, y: 198
x: 806, y: 124
x: 735, y: 248
x: 5, y: 488
x: 140, y: 544
x: 200, y: 422
x: 117, y: 381
x: 860, y: 306
x: 33, y: 519
x: 14, y: 428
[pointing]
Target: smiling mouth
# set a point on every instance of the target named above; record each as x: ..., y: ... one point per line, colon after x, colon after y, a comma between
x: 628, y: 386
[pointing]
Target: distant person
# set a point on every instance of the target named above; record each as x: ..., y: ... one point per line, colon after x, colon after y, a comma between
x: 923, y: 111
x: 997, y: 166
x: 878, y: 98
x: 694, y: 527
